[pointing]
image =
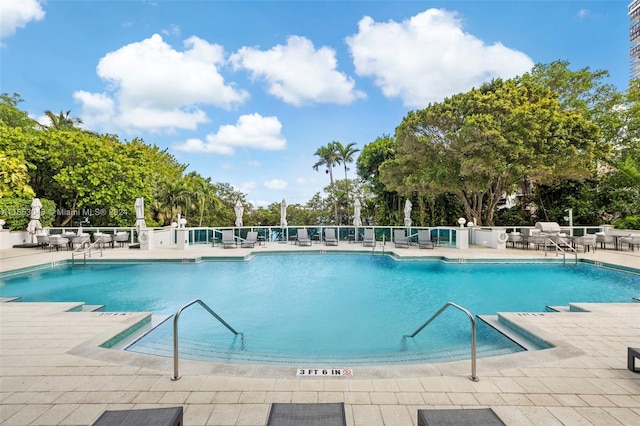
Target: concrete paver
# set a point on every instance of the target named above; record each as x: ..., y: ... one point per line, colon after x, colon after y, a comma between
x: 52, y: 372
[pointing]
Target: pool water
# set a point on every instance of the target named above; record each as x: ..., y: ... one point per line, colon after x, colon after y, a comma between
x: 325, y: 308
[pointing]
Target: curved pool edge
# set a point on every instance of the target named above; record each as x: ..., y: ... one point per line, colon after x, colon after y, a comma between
x: 250, y: 255
x: 561, y: 349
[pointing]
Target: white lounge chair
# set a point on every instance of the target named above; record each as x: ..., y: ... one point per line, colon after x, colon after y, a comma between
x: 330, y: 237
x: 228, y: 239
x: 369, y: 239
x: 399, y: 238
x: 303, y: 238
x: 250, y: 241
x: 424, y: 239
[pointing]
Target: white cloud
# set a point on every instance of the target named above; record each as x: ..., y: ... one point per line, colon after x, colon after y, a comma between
x: 245, y: 187
x: 429, y: 57
x: 278, y: 184
x: 254, y: 163
x: 173, y: 30
x: 250, y: 131
x: 583, y: 13
x: 16, y: 14
x: 156, y: 88
x: 298, y: 73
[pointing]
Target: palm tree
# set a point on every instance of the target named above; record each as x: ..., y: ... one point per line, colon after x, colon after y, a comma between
x: 328, y: 157
x: 345, y: 156
x: 202, y: 192
x: 171, y: 197
x: 62, y: 121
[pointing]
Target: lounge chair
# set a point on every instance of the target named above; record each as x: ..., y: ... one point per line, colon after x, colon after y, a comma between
x: 399, y: 238
x: 330, y: 237
x: 307, y: 414
x: 303, y: 238
x: 228, y: 239
x: 424, y: 239
x: 459, y: 416
x: 250, y: 241
x: 369, y: 239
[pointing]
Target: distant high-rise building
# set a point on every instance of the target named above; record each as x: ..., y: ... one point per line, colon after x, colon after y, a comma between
x: 634, y: 38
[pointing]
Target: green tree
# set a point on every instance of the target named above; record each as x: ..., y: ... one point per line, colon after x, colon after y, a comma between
x: 482, y: 144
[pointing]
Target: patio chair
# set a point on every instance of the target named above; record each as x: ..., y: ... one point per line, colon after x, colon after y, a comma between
x: 369, y: 239
x: 586, y: 241
x: 330, y: 237
x: 633, y: 240
x: 303, y: 238
x: 399, y: 238
x: 102, y: 239
x: 57, y: 241
x: 43, y: 240
x: 424, y: 239
x: 228, y: 239
x: 515, y: 238
x: 122, y: 238
x: 250, y: 241
x: 605, y: 239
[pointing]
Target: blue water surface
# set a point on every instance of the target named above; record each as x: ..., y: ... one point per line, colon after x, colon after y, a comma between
x: 325, y: 308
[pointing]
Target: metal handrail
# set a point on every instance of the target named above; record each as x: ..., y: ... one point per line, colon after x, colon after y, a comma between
x: 473, y: 376
x: 176, y: 376
x: 85, y: 250
x: 558, y: 248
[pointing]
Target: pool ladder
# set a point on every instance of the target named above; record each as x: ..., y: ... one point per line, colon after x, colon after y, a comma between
x: 176, y: 375
x: 85, y: 250
x: 561, y: 250
x: 474, y: 376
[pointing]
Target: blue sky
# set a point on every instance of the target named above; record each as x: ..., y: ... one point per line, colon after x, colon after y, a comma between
x: 245, y: 92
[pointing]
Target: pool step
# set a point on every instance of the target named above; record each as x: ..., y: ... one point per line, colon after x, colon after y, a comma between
x: 92, y: 308
x: 156, y: 320
x: 558, y: 308
x: 493, y: 321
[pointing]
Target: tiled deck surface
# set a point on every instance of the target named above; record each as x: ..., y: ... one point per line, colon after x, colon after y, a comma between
x: 53, y: 372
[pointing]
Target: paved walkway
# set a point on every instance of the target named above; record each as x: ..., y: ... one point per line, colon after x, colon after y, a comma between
x: 53, y: 372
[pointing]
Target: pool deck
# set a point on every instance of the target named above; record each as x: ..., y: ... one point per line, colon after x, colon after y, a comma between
x: 52, y: 370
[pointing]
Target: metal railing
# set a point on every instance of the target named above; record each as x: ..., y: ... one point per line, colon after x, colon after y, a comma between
x: 85, y: 250
x: 561, y: 250
x: 176, y: 375
x: 473, y: 376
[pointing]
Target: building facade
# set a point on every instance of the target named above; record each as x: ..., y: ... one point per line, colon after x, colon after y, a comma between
x: 634, y: 38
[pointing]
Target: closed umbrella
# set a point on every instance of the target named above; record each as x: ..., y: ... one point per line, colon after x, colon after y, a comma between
x: 140, y: 223
x: 239, y: 209
x: 357, y: 222
x: 34, y: 224
x: 407, y: 213
x: 283, y: 214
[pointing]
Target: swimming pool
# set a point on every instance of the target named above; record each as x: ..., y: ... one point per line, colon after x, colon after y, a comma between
x: 325, y: 308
